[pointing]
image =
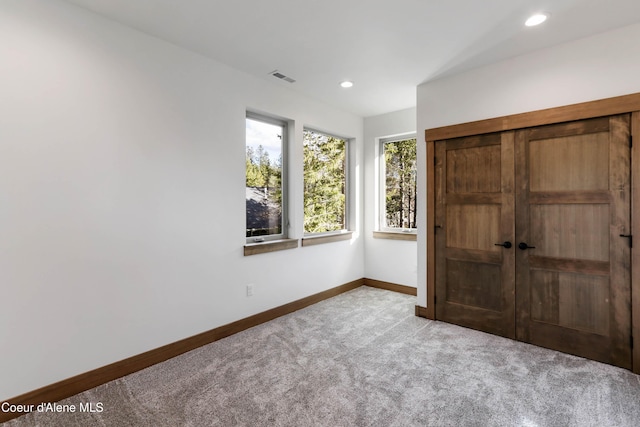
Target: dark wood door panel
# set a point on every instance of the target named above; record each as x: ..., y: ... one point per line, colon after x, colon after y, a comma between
x: 474, y: 212
x: 488, y: 321
x: 474, y: 284
x: 473, y: 169
x: 572, y: 204
x: 590, y: 346
x: 578, y: 127
x: 473, y: 255
x: 562, y: 191
x: 570, y: 300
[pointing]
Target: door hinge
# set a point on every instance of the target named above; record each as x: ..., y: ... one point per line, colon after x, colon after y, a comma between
x: 631, y: 341
x: 435, y: 160
x: 630, y: 141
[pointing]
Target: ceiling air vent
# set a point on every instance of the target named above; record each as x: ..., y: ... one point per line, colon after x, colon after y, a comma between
x: 281, y: 76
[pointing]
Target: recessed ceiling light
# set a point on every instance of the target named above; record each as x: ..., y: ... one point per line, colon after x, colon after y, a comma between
x: 346, y: 84
x: 536, y: 19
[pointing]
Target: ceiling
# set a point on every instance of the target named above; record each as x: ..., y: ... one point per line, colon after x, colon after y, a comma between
x: 386, y: 47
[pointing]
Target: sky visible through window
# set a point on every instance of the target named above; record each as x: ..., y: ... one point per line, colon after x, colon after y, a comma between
x: 267, y: 135
x: 264, y: 171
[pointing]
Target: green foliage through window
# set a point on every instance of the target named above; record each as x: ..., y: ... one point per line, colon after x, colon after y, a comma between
x: 264, y: 189
x: 325, y: 183
x: 400, y: 184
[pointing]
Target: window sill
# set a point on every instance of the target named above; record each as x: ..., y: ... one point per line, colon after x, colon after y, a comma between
x: 270, y: 246
x: 326, y: 238
x: 395, y: 235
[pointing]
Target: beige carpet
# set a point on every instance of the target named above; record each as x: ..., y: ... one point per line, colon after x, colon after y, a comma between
x: 363, y: 359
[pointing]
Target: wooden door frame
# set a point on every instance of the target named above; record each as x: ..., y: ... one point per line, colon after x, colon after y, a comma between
x: 586, y: 110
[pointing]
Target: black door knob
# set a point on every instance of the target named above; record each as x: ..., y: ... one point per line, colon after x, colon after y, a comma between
x: 524, y: 246
x: 505, y: 244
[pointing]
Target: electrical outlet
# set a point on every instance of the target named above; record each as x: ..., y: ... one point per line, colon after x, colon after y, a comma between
x: 250, y: 289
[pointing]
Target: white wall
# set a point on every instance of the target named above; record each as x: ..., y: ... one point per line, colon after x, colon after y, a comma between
x: 392, y: 261
x: 588, y: 69
x: 122, y: 195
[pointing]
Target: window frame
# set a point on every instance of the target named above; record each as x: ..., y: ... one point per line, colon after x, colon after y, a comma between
x: 382, y: 188
x: 284, y: 217
x: 309, y: 237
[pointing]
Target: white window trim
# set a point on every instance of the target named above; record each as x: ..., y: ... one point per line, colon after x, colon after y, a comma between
x: 284, y: 180
x: 348, y: 191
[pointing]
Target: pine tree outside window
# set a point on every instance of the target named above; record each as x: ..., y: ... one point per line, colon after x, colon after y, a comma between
x: 325, y: 182
x: 265, y: 177
x: 398, y: 184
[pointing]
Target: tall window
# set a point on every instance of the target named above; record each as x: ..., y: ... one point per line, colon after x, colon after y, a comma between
x: 265, y: 191
x: 398, y: 184
x: 325, y: 182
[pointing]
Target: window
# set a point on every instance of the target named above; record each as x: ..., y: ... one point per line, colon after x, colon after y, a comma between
x: 325, y: 182
x: 265, y: 189
x: 398, y: 184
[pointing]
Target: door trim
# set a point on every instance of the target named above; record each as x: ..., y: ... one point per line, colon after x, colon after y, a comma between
x: 584, y: 110
x: 604, y: 107
x: 635, y: 225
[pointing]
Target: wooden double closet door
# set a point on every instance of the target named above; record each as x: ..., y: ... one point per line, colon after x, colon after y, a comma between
x: 530, y: 236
